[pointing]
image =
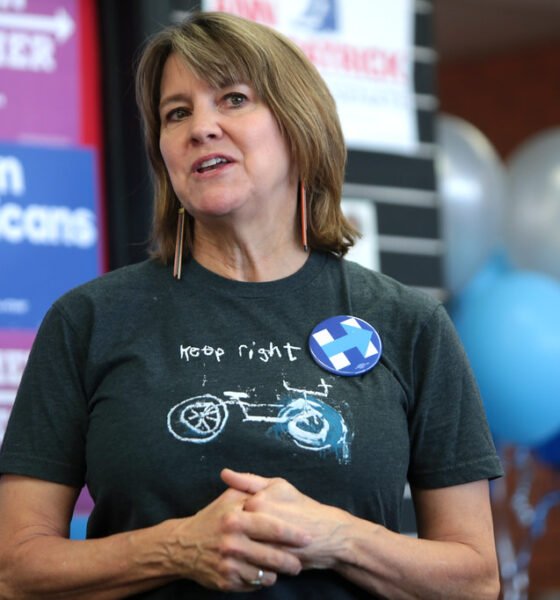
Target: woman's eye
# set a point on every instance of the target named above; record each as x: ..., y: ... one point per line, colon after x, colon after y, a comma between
x: 236, y: 99
x: 177, y: 114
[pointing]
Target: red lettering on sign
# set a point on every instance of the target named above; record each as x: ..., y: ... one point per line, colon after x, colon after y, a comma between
x: 374, y: 63
x: 254, y: 10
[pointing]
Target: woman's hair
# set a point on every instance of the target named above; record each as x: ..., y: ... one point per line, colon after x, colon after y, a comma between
x: 223, y: 50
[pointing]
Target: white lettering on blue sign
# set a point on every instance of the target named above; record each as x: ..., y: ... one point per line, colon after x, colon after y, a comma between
x: 36, y: 224
x: 47, y: 225
x: 12, y: 176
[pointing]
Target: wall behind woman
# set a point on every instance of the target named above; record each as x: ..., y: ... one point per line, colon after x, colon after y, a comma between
x: 124, y: 25
x: 509, y: 96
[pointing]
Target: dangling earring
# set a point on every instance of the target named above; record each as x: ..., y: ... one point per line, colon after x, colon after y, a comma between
x: 178, y: 262
x: 303, y: 214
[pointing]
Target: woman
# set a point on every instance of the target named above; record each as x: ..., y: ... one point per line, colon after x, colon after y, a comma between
x: 230, y: 442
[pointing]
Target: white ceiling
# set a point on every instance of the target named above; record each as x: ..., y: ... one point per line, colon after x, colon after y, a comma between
x: 474, y: 28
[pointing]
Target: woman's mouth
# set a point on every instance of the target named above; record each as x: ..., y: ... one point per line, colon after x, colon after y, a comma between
x: 210, y: 164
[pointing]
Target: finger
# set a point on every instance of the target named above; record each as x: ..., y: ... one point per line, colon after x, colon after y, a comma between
x: 256, y: 578
x: 265, y: 528
x: 269, y: 529
x: 269, y: 556
x: 244, y: 482
x: 234, y: 497
x: 233, y: 575
x: 271, y: 559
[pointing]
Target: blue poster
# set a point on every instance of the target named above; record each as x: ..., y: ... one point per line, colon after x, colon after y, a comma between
x: 49, y: 230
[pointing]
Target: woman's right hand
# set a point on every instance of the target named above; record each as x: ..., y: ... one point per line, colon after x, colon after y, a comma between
x: 222, y: 547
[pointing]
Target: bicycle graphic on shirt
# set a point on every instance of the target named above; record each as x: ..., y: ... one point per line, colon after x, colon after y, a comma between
x: 298, y: 415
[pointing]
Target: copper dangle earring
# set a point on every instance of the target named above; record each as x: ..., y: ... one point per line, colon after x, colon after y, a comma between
x: 303, y: 214
x: 178, y: 262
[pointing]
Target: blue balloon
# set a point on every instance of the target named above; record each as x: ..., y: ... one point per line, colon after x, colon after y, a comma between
x: 511, y: 333
x: 494, y: 268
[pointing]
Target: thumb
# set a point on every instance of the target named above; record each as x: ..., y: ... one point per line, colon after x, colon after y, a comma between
x: 244, y: 482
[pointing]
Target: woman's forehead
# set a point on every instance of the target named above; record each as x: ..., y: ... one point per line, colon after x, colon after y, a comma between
x: 178, y: 66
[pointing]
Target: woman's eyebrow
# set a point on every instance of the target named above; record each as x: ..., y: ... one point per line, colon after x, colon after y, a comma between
x: 171, y: 99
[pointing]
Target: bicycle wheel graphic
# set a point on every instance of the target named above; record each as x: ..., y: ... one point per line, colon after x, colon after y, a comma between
x: 198, y: 420
x: 307, y: 424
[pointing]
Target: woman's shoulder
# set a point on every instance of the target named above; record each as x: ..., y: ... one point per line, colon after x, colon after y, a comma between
x: 372, y: 287
x: 121, y: 285
x: 137, y: 274
x: 401, y: 314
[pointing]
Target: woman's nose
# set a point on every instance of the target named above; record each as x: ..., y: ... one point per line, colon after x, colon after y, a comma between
x: 205, y: 125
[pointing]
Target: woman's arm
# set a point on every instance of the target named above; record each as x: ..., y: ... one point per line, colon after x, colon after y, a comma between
x: 453, y: 558
x: 219, y: 548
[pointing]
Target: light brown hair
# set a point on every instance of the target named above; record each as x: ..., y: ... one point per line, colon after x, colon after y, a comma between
x: 224, y: 49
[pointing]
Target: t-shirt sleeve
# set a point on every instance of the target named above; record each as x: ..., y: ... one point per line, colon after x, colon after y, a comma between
x: 451, y: 443
x: 46, y: 432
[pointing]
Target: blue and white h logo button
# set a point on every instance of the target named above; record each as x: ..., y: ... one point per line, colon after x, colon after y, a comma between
x: 345, y: 345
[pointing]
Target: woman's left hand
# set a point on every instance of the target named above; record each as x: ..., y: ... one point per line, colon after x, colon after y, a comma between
x: 455, y: 542
x: 326, y: 525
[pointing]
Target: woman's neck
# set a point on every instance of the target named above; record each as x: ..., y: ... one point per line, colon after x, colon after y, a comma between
x: 248, y: 255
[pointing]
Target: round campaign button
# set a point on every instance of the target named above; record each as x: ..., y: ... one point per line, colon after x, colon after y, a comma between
x: 345, y: 345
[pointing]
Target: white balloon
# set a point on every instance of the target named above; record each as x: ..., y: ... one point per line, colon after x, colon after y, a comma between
x: 472, y: 183
x: 532, y: 229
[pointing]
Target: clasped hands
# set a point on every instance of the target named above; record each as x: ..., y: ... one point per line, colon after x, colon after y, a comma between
x: 258, y: 528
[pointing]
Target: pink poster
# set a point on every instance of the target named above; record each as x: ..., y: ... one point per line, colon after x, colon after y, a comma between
x: 39, y: 71
x: 14, y: 350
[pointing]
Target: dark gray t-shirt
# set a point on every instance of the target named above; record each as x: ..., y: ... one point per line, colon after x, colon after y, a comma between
x: 145, y: 387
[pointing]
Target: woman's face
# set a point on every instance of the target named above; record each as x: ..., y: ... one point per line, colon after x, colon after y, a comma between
x: 223, y: 150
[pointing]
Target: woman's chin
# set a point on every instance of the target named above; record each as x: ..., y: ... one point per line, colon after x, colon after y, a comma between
x: 222, y: 208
